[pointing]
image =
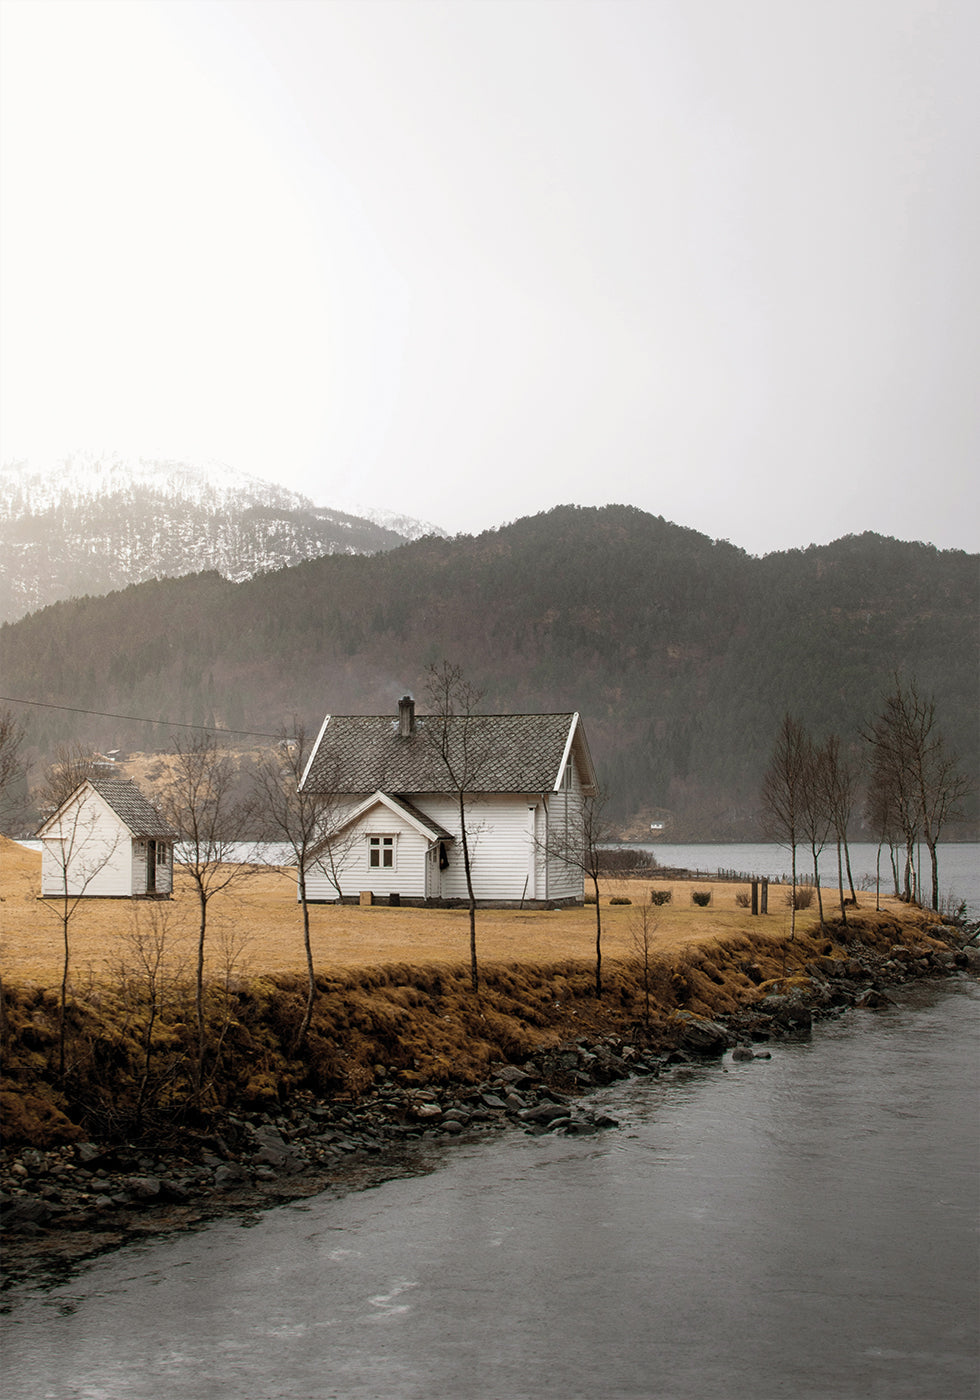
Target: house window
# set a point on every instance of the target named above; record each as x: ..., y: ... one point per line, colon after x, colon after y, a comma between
x: 162, y: 851
x: 381, y: 852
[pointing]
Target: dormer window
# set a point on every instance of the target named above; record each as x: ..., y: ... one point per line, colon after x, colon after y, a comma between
x: 381, y: 852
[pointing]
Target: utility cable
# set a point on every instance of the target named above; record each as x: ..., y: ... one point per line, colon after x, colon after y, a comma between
x: 139, y: 719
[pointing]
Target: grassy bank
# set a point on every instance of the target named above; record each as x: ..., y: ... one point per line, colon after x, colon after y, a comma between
x: 394, y: 1001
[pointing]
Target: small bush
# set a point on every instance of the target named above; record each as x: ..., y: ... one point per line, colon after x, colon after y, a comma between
x: 702, y: 898
x: 620, y: 899
x: 661, y: 896
x: 743, y: 899
x: 803, y: 897
x: 626, y: 860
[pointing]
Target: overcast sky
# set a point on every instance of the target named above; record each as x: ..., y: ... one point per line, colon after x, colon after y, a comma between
x: 469, y: 260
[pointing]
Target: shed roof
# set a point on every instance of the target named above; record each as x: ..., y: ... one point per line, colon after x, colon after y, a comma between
x: 129, y: 804
x: 508, y: 753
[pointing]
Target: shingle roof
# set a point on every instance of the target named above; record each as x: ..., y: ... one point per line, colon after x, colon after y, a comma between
x: 512, y: 753
x: 129, y: 804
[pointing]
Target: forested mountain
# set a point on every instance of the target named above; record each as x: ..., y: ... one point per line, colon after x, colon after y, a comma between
x: 681, y: 653
x: 88, y: 525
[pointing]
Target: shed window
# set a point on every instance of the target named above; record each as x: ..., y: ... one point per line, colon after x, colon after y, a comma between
x: 162, y: 853
x: 381, y: 852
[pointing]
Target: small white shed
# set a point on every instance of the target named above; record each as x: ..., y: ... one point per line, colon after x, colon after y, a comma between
x: 106, y: 840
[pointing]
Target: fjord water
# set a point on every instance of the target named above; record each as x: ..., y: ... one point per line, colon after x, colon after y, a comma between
x: 805, y: 1227
x: 959, y: 865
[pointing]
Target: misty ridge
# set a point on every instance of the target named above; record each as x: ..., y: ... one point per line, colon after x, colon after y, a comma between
x: 91, y: 524
x: 681, y: 653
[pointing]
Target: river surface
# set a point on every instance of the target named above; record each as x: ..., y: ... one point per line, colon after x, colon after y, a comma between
x: 800, y: 1228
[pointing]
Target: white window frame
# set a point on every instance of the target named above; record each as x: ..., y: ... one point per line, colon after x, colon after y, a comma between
x: 381, y: 844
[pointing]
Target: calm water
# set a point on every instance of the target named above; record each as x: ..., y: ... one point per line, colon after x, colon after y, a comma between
x: 959, y: 865
x: 804, y: 1227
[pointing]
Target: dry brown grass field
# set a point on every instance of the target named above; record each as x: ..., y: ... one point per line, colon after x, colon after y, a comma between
x: 257, y: 929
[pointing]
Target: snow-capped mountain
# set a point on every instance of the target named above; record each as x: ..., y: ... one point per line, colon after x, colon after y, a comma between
x: 89, y: 524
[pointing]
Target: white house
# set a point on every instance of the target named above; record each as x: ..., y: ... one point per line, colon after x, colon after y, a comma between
x: 106, y: 839
x: 391, y: 812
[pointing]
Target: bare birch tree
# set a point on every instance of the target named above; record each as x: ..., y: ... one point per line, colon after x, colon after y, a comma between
x: 783, y: 793
x: 459, y: 735
x: 304, y: 822
x: 78, y: 848
x: 838, y: 779
x: 912, y: 769
x: 579, y: 845
x: 202, y: 802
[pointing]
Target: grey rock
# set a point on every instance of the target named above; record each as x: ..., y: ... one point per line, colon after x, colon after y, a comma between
x: 228, y: 1175
x: 25, y: 1210
x: 142, y: 1188
x: 544, y: 1113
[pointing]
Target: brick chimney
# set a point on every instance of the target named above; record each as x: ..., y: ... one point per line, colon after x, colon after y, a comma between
x: 406, y: 716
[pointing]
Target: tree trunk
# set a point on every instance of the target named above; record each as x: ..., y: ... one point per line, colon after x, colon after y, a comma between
x: 598, y: 941
x: 474, y: 967
x: 850, y: 877
x: 310, y: 974
x: 199, y: 990
x: 934, y: 865
x: 65, y: 917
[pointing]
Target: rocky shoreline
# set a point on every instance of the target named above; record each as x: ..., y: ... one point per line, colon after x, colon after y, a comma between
x: 65, y: 1204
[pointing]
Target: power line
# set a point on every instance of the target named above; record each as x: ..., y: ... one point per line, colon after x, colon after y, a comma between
x: 138, y: 719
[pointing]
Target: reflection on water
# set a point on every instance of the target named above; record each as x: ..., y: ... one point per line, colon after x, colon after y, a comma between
x: 801, y: 1227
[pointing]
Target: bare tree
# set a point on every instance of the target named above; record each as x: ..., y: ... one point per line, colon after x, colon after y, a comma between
x: 77, y: 848
x: 922, y: 779
x: 815, y: 813
x: 459, y: 736
x: 11, y: 766
x: 153, y: 981
x: 578, y: 843
x: 301, y: 820
x: 202, y: 801
x: 643, y: 925
x: 783, y: 793
x: 839, y: 782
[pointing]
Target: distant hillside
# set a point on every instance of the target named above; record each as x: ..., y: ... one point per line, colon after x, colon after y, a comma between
x: 89, y: 525
x: 681, y: 653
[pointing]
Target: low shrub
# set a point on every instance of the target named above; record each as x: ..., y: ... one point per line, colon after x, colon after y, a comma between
x: 620, y: 899
x: 702, y: 898
x: 801, y: 898
x: 743, y: 899
x: 661, y: 896
x: 626, y: 860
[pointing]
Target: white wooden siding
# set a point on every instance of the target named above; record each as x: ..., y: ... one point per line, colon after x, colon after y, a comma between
x: 500, y: 843
x: 88, y: 849
x: 564, y: 826
x: 508, y: 836
x: 406, y: 877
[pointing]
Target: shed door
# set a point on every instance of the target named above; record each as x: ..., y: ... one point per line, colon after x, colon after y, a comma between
x: 151, y: 867
x: 433, y: 876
